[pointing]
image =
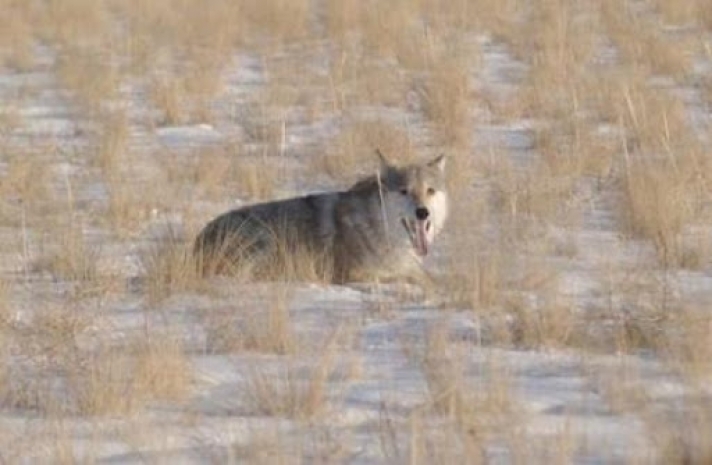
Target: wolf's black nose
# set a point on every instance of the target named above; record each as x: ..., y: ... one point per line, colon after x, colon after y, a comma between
x: 421, y: 213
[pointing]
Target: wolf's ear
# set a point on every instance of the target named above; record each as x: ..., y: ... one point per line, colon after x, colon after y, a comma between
x: 439, y: 162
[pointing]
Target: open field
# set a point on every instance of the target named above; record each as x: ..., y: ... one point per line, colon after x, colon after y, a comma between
x: 572, y: 322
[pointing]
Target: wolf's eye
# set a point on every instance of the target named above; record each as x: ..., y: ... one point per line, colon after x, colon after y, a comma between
x: 404, y: 191
x: 431, y: 191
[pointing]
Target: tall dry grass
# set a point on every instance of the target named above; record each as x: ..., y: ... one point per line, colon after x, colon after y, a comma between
x: 665, y: 174
x: 293, y: 390
x: 601, y: 89
x: 640, y: 40
x: 263, y: 326
x: 168, y: 266
x: 17, y: 39
x: 121, y: 380
x: 66, y: 369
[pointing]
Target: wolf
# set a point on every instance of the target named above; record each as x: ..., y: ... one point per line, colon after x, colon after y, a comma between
x: 379, y: 229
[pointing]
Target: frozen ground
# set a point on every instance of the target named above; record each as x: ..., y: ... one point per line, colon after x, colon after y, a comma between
x: 555, y: 399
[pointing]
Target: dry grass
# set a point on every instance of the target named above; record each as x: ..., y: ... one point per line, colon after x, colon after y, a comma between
x: 660, y: 201
x: 168, y: 266
x: 221, y: 172
x: 287, y: 393
x: 352, y: 154
x: 682, y: 437
x: 459, y: 419
x: 683, y: 13
x: 167, y: 96
x: 67, y: 256
x: 684, y: 343
x: 503, y: 270
x: 64, y: 370
x: 253, y: 181
x: 253, y: 328
x: 293, y: 390
x: 90, y: 75
x: 280, y: 255
x: 121, y: 380
x: 113, y: 143
x: 306, y: 443
x: 665, y: 173
x: 16, y: 40
x: 605, y: 90
x: 128, y: 206
x: 184, y: 96
x: 445, y: 102
x: 641, y: 42
x: 26, y: 183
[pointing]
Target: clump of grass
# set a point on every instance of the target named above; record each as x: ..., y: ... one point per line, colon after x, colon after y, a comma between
x: 166, y: 95
x: 684, y: 342
x: 111, y: 380
x: 90, y: 75
x: 70, y: 258
x: 682, y: 13
x: 128, y: 206
x: 168, y: 266
x: 572, y: 149
x: 307, y: 442
x: 184, y: 96
x: 443, y: 372
x: 354, y: 148
x: 253, y: 328
x: 660, y: 200
x: 641, y: 41
x: 703, y: 14
x: 445, y: 99
x: 283, y: 21
x: 663, y: 174
x: 469, y: 416
x: 46, y: 341
x: 290, y: 390
x: 288, y: 393
x: 67, y: 367
x: 478, y: 280
x: 74, y: 22
x: 343, y: 19
x: 26, y: 188
x: 378, y: 20
x: 682, y: 437
x: 162, y: 370
x: 443, y: 365
x: 550, y: 324
x: 112, y: 143
x: 254, y: 182
x: 217, y: 174
x: 558, y: 45
x: 17, y: 38
x: 356, y: 79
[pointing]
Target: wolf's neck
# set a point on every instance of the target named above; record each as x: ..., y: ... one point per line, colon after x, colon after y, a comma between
x: 370, y: 183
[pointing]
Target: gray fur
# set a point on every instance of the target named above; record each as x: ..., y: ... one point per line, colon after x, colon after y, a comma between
x: 357, y: 234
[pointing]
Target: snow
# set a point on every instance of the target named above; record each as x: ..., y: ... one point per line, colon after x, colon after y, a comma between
x: 555, y: 391
x: 187, y: 136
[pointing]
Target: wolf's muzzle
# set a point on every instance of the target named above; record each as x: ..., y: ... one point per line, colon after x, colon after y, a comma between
x: 422, y: 213
x: 417, y: 231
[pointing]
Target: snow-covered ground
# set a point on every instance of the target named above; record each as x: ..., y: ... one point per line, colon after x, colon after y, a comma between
x: 378, y: 349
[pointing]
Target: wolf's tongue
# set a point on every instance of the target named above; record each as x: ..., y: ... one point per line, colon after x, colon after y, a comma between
x: 421, y: 241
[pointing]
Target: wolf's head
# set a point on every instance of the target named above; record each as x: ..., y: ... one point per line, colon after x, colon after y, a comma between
x: 416, y: 200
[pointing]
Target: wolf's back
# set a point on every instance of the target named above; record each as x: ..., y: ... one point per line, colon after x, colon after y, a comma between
x: 302, y: 222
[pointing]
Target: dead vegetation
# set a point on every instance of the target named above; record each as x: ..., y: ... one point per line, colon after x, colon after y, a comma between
x: 612, y: 104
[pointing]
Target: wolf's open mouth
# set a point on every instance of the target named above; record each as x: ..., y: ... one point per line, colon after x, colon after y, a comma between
x: 417, y: 232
